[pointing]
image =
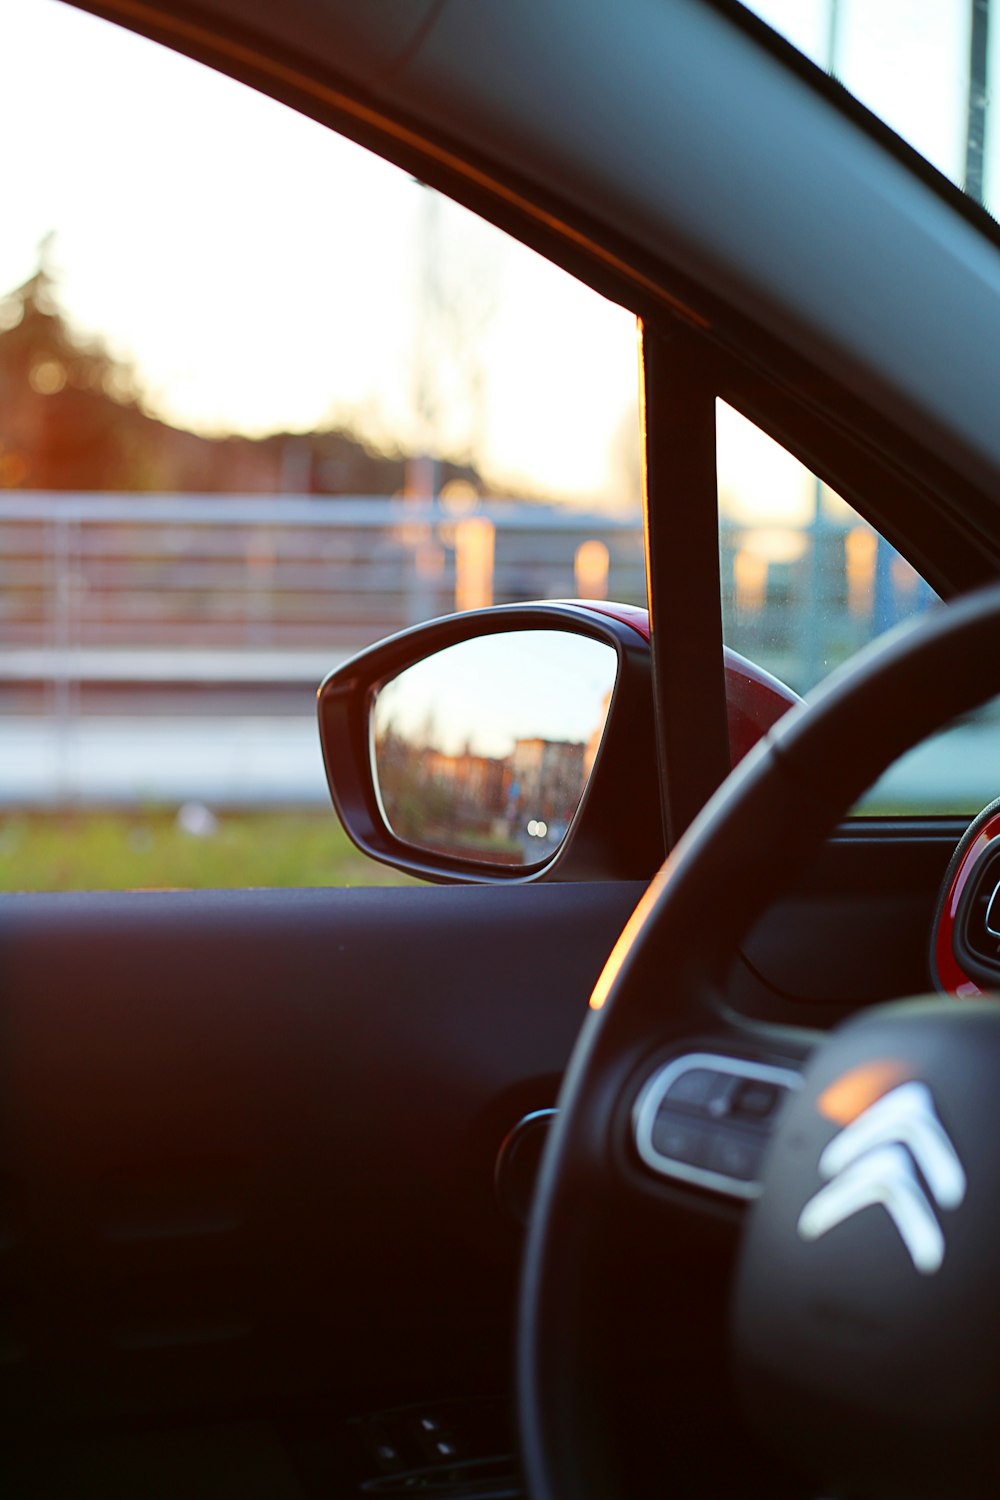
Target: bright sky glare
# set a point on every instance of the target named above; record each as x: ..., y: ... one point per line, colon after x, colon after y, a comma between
x: 488, y: 693
x: 263, y: 273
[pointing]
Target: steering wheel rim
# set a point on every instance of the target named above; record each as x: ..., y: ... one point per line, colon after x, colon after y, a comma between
x: 595, y: 1207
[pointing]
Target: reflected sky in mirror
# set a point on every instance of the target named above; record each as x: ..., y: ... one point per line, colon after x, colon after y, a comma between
x: 484, y: 749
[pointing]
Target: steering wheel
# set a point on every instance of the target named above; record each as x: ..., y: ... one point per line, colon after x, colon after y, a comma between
x: 759, y: 1250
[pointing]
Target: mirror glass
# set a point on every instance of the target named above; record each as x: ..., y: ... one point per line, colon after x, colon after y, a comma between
x: 484, y: 749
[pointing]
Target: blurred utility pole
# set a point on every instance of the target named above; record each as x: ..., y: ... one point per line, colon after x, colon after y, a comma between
x: 975, y: 126
x: 422, y: 476
x: 456, y: 289
x: 833, y: 38
x: 422, y: 480
x: 813, y: 655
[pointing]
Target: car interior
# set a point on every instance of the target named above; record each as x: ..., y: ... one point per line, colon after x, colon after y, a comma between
x: 500, y: 1183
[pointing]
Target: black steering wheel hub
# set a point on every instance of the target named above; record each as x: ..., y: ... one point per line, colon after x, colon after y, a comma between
x: 867, y: 1308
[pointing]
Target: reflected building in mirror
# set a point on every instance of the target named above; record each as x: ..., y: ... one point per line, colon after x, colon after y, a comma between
x: 484, y: 748
x: 478, y: 781
x: 546, y: 780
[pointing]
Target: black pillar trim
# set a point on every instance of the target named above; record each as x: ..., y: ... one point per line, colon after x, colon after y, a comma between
x: 681, y: 517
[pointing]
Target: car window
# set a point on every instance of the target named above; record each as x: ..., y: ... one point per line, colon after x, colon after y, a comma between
x: 927, y: 68
x: 806, y: 582
x: 263, y: 400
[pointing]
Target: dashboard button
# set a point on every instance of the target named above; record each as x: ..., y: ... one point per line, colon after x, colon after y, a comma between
x: 680, y: 1140
x: 736, y: 1154
x: 388, y: 1457
x: 696, y: 1088
x: 755, y: 1100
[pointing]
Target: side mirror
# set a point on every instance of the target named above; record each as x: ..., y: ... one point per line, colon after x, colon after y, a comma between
x: 505, y: 744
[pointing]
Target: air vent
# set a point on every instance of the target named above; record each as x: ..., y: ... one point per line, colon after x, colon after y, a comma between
x: 977, y: 926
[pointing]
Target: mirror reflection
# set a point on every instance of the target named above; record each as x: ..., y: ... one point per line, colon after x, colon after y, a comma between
x: 484, y: 749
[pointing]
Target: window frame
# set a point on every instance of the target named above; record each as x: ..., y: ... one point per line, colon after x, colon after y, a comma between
x: 682, y: 371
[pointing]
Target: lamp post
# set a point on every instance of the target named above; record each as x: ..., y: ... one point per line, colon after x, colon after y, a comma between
x: 813, y: 654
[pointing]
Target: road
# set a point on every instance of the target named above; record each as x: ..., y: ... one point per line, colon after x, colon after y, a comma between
x: 273, y: 759
x: 224, y: 762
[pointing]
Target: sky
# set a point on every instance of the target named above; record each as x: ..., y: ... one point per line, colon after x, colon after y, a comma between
x: 263, y: 274
x: 487, y: 693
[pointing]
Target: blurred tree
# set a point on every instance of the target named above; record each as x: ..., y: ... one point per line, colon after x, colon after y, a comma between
x: 72, y: 419
x: 61, y: 399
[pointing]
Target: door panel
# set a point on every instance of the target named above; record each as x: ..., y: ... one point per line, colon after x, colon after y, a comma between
x: 249, y: 1139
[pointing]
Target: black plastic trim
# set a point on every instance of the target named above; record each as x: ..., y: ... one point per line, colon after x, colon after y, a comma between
x: 685, y: 603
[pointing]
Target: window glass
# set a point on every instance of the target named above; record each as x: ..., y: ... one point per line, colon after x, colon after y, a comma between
x: 806, y: 582
x: 262, y: 397
x: 928, y: 68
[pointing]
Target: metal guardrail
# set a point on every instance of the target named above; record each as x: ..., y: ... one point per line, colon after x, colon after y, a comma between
x: 238, y: 588
x: 110, y: 573
x: 162, y: 647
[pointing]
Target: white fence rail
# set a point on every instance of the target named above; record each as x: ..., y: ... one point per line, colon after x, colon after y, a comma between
x: 163, y: 648
x: 246, y: 574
